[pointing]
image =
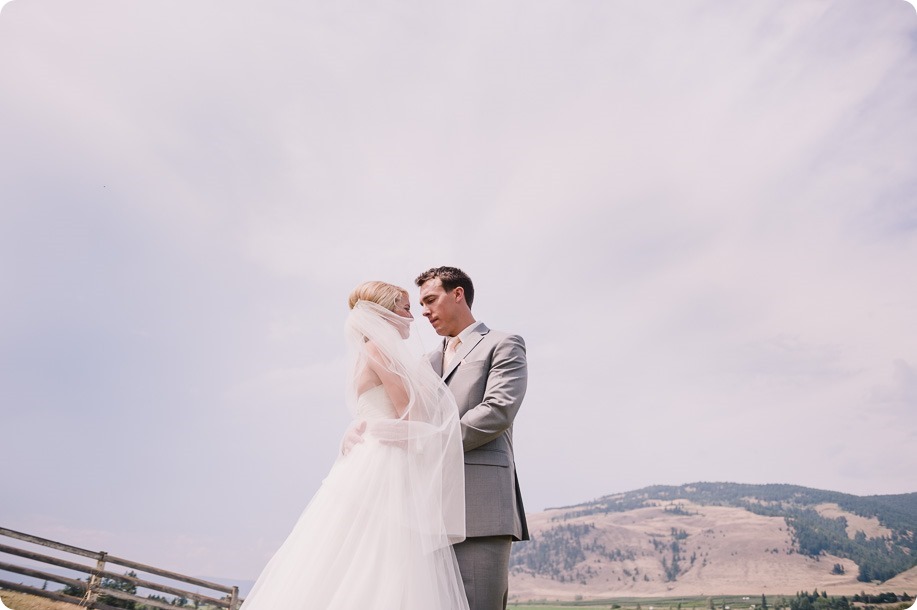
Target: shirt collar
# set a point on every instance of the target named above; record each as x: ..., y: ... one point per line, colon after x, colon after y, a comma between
x: 463, y: 335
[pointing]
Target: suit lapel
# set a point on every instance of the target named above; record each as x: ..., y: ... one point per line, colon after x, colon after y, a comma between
x: 464, y: 348
x: 436, y: 359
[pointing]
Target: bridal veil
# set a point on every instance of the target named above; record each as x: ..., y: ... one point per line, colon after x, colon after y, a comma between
x: 427, y: 429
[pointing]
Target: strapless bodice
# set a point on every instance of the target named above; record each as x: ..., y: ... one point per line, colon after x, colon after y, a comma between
x: 374, y: 403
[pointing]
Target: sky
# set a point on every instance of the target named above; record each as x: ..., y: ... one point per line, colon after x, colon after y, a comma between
x: 700, y: 215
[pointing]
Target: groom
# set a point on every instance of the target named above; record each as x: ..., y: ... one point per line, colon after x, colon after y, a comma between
x: 487, y: 373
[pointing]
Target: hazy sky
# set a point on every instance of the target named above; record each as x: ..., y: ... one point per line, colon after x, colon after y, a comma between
x: 701, y: 215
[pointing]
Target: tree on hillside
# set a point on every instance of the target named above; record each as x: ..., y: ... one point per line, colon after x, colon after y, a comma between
x: 74, y: 590
x: 119, y: 585
x: 110, y: 584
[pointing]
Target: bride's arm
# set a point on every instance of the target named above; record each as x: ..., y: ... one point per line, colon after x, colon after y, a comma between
x: 393, y: 383
x: 353, y: 436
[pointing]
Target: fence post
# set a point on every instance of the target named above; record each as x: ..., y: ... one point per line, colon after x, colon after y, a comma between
x: 234, y: 599
x: 95, y: 581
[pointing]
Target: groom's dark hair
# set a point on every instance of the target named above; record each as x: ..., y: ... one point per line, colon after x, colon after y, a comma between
x: 451, y: 278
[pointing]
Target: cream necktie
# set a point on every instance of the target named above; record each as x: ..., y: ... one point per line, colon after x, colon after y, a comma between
x: 449, y: 354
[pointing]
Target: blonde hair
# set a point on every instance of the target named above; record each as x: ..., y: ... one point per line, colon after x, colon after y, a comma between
x: 380, y: 293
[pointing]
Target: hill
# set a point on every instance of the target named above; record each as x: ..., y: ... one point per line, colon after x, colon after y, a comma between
x: 719, y: 538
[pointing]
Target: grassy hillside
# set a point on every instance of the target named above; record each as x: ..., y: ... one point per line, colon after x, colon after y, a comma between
x: 875, y: 533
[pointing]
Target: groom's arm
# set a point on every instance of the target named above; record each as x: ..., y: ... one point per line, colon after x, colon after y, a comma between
x: 506, y: 384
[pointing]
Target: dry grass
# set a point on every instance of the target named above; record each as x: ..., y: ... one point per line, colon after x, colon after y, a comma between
x: 869, y: 526
x: 22, y: 601
x: 737, y: 553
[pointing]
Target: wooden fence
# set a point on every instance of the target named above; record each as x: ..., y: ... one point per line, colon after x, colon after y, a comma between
x: 92, y: 588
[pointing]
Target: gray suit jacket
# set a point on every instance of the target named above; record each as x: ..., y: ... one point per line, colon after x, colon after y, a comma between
x: 488, y: 377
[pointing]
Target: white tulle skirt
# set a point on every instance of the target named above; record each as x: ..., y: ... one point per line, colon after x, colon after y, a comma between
x: 355, y: 546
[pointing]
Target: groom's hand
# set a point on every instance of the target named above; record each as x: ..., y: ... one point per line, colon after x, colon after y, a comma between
x: 353, y: 437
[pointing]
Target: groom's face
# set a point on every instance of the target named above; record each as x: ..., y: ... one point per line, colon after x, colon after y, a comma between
x: 441, y: 308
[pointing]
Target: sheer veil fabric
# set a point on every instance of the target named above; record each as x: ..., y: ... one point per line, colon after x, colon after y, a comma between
x: 428, y: 426
x: 378, y: 533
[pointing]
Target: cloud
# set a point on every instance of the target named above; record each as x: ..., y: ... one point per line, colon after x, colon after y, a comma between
x: 699, y: 215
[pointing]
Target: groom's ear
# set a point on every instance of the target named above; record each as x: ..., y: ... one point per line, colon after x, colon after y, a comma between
x: 459, y: 292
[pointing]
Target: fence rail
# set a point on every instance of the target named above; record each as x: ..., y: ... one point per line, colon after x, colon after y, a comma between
x: 92, y: 588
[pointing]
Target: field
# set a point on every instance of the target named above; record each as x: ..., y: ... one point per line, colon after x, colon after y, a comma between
x: 729, y: 602
x: 15, y: 600
x: 733, y: 602
x: 21, y: 601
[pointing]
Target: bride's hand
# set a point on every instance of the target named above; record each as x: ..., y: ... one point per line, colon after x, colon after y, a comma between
x: 353, y: 436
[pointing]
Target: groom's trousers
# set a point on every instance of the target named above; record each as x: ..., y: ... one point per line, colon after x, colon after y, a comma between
x: 484, y: 564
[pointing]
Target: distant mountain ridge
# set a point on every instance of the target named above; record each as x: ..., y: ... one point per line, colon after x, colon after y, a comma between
x: 683, y: 538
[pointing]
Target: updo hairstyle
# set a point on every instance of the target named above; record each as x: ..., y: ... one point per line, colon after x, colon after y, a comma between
x: 380, y: 293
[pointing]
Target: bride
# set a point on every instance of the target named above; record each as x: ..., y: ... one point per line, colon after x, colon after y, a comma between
x: 378, y: 533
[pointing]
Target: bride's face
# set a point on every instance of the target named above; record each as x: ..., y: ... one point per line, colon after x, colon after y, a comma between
x: 403, y: 309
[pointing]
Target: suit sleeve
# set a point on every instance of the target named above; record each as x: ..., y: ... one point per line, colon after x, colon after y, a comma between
x: 506, y: 384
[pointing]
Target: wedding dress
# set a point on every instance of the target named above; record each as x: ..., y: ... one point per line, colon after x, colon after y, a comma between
x: 378, y: 533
